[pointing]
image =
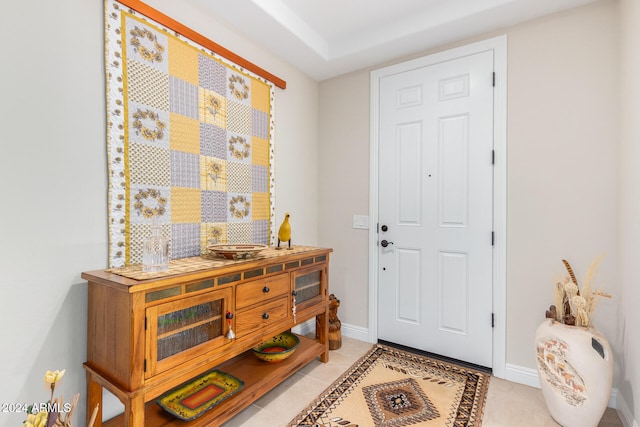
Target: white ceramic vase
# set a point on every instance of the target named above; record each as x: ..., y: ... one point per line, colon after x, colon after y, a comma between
x: 575, y: 368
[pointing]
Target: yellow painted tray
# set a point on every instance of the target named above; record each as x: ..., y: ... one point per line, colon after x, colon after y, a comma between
x: 195, y: 397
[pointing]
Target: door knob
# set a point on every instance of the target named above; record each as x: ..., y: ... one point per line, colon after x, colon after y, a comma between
x: 384, y: 243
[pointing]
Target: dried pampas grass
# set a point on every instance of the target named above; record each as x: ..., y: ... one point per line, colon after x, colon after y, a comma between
x: 590, y: 295
x: 559, y: 298
x: 573, y: 305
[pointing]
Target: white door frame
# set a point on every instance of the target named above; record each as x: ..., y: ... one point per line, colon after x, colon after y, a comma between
x: 499, y: 47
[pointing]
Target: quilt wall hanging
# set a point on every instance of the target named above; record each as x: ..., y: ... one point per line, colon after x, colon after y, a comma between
x: 189, y: 135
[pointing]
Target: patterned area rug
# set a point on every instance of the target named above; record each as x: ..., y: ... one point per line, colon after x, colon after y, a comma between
x: 391, y: 388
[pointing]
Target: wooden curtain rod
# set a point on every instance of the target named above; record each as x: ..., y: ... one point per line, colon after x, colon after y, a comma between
x: 187, y: 32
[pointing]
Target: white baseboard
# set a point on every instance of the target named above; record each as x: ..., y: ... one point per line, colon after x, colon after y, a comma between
x: 355, y: 332
x: 625, y: 413
x: 521, y: 375
x: 528, y: 376
x: 613, y: 399
x: 305, y: 328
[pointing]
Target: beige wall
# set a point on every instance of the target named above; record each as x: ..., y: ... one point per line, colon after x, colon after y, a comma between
x: 344, y: 190
x: 562, y: 183
x: 53, y: 181
x: 629, y: 214
x: 562, y: 162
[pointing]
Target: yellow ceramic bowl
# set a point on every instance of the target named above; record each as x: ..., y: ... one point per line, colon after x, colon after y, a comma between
x: 277, y: 348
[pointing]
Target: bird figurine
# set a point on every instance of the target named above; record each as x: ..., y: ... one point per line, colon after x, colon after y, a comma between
x: 284, y: 233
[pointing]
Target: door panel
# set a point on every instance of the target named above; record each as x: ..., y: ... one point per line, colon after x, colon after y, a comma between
x: 409, y: 172
x: 408, y: 298
x: 435, y: 194
x: 452, y: 288
x: 454, y: 169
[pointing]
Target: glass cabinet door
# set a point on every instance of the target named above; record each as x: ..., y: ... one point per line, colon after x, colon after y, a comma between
x: 178, y: 330
x: 309, y: 286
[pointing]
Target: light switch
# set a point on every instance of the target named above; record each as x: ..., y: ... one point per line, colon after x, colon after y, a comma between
x: 361, y: 221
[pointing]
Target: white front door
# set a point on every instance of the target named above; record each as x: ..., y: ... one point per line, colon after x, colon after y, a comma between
x: 435, y: 208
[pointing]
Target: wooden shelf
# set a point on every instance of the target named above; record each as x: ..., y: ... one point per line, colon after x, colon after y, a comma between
x: 259, y: 377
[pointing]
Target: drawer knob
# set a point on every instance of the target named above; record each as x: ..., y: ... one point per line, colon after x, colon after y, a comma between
x: 265, y: 316
x: 265, y: 289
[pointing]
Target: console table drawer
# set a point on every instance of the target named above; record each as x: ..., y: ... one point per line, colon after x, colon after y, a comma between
x: 255, y: 318
x: 259, y: 291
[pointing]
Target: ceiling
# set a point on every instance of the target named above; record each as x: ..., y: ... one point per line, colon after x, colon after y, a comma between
x: 326, y: 38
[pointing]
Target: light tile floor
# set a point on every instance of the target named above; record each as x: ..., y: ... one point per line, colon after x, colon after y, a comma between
x: 508, y: 404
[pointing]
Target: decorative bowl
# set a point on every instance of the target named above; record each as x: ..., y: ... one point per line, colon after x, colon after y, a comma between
x: 236, y: 251
x: 277, y: 348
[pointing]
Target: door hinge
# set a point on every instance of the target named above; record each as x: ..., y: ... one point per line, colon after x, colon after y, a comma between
x: 493, y: 157
x: 145, y: 323
x: 493, y: 238
x: 494, y: 79
x: 493, y: 320
x: 145, y: 365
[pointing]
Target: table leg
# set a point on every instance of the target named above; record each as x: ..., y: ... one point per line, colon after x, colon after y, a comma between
x: 134, y: 412
x: 94, y: 398
x: 322, y: 333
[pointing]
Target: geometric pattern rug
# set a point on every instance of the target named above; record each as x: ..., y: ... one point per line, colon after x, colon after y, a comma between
x: 389, y: 387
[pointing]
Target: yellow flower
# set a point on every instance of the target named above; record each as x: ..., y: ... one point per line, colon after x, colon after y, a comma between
x: 53, y: 377
x: 36, y: 420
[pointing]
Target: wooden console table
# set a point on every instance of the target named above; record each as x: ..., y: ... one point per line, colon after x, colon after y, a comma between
x: 149, y: 335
